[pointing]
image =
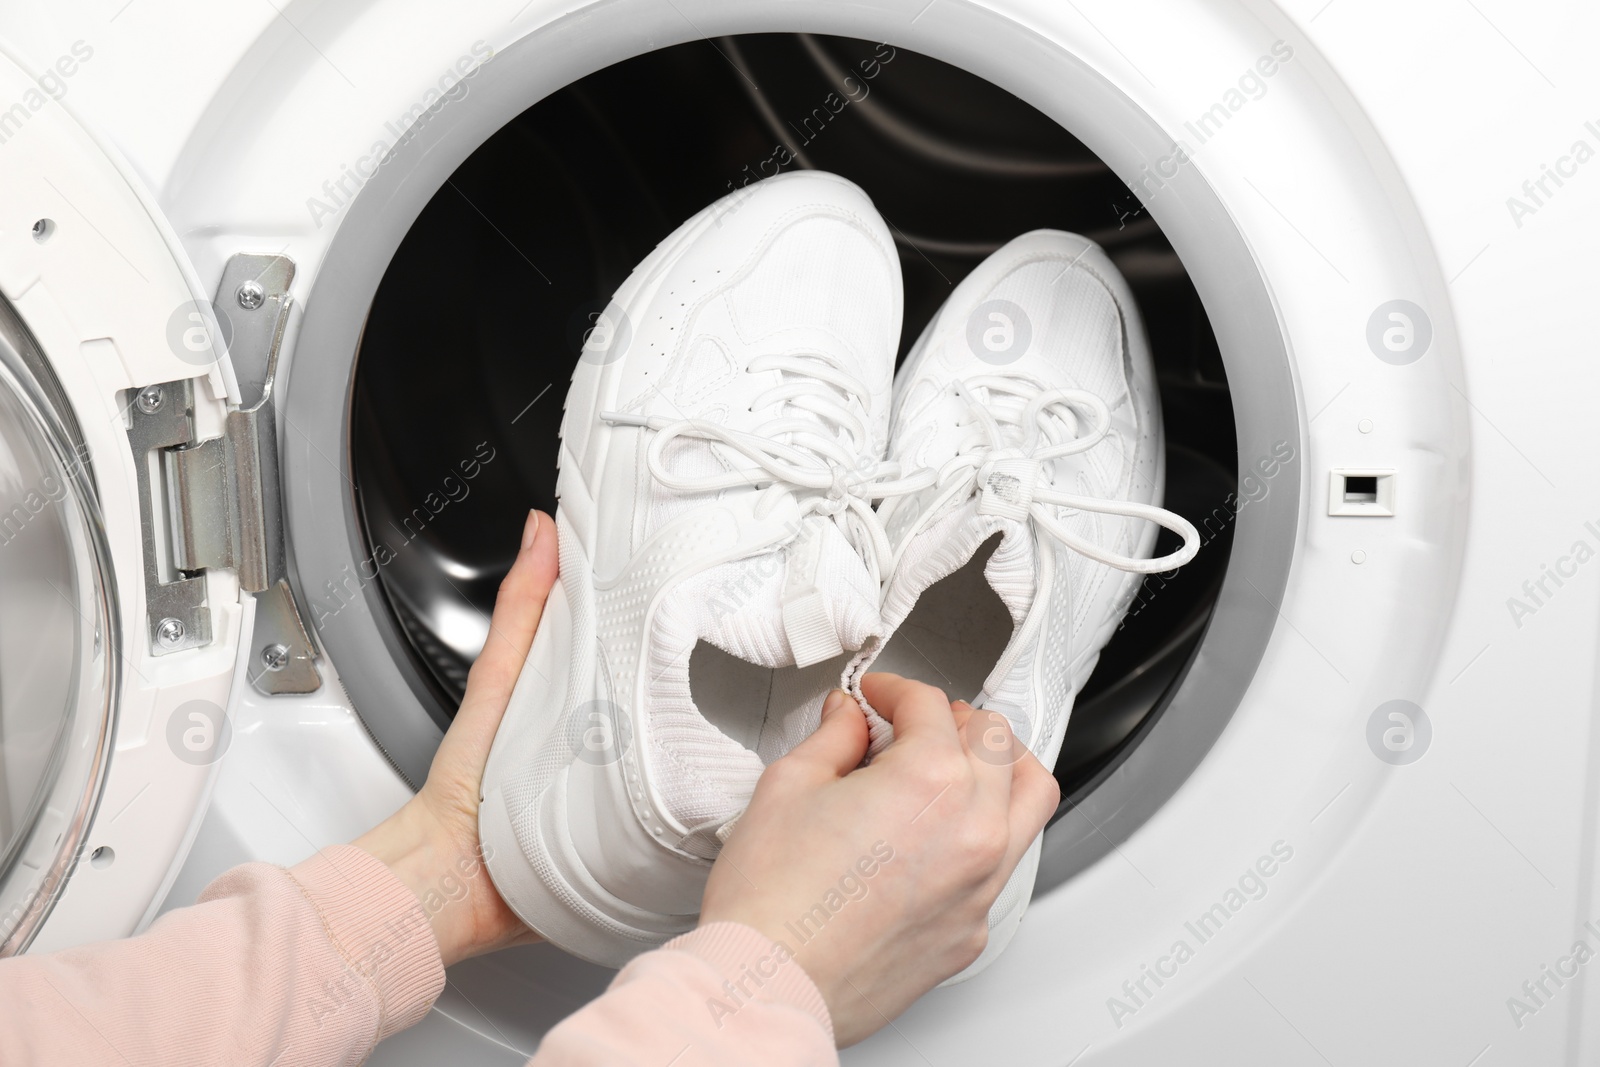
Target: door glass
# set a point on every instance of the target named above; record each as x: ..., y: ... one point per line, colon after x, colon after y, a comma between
x: 55, y: 667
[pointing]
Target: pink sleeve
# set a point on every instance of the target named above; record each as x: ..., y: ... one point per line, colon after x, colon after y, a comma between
x: 313, y: 965
x: 722, y: 996
x: 318, y: 963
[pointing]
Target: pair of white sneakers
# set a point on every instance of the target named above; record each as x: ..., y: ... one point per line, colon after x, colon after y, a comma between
x: 754, y: 509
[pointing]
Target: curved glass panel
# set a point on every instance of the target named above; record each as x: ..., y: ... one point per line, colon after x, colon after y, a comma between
x: 57, y: 638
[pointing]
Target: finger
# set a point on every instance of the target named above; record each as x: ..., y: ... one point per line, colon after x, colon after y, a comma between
x: 919, y: 713
x: 991, y: 746
x: 962, y: 713
x: 839, y: 743
x: 1034, y: 798
x: 517, y: 608
x: 1033, y: 769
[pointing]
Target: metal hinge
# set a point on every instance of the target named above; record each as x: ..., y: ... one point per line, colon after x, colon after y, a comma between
x: 218, y: 503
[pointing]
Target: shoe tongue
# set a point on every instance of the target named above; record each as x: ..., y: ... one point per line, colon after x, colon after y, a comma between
x: 794, y: 605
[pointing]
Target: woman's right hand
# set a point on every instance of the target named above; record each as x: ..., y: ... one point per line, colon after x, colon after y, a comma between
x: 879, y: 879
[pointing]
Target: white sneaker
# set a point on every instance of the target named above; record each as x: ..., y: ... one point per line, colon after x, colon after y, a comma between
x: 722, y: 443
x: 1033, y: 396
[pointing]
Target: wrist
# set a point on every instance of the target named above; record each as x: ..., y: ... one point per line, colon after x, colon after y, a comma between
x: 756, y: 965
x: 423, y: 858
x: 801, y: 952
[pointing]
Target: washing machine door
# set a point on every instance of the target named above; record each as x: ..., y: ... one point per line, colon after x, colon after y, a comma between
x: 132, y: 526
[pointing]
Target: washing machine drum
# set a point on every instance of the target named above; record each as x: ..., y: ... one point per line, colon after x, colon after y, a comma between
x: 582, y: 185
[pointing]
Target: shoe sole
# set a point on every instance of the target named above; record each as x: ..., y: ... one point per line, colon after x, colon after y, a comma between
x: 545, y: 890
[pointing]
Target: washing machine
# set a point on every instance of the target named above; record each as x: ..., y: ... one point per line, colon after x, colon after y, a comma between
x: 291, y: 293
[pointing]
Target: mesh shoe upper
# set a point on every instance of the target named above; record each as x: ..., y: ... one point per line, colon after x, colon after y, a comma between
x: 1045, y: 313
x: 1032, y: 394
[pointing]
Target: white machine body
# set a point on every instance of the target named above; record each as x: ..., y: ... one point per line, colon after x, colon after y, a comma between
x: 1386, y: 856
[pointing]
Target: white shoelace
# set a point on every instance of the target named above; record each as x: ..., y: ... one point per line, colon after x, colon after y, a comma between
x: 798, y: 455
x: 1013, y: 480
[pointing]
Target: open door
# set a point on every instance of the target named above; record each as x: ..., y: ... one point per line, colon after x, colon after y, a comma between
x: 140, y: 529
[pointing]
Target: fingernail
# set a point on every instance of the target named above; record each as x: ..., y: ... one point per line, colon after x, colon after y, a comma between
x: 834, y: 702
x: 530, y: 531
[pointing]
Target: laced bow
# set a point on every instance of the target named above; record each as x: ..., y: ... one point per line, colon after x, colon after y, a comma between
x: 1013, y: 480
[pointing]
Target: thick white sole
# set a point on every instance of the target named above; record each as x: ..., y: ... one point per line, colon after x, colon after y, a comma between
x: 545, y: 888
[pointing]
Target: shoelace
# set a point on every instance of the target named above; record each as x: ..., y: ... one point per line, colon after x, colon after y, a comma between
x: 794, y: 454
x: 1012, y: 480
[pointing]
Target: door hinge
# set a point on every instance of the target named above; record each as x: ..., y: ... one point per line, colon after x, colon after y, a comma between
x: 217, y: 503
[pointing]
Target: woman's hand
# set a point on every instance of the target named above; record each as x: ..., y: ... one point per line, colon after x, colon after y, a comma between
x: 431, y: 843
x: 879, y: 879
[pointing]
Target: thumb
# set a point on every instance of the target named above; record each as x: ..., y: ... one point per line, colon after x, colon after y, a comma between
x: 517, y: 610
x: 839, y: 743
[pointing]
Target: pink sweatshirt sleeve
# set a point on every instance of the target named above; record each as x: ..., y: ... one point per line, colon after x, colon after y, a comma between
x: 722, y: 996
x: 311, y: 965
x: 318, y: 963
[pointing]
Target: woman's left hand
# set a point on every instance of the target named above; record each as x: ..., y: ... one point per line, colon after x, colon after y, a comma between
x: 431, y: 843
